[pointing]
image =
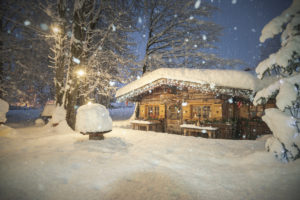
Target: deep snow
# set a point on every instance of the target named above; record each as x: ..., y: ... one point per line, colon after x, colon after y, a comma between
x: 57, y: 163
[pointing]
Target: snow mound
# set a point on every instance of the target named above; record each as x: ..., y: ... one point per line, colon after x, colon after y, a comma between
x: 39, y: 122
x: 6, y: 131
x: 93, y: 118
x: 3, y: 110
x: 59, y: 115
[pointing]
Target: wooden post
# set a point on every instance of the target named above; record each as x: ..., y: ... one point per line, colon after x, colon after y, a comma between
x: 96, y: 136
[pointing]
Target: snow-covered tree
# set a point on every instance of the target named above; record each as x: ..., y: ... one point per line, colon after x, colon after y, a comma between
x: 284, y: 121
x: 177, y: 32
x: 91, y: 51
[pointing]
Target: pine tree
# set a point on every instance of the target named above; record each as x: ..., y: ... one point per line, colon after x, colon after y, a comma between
x: 283, y: 121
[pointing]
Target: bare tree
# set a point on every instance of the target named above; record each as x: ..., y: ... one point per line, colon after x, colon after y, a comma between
x: 176, y: 32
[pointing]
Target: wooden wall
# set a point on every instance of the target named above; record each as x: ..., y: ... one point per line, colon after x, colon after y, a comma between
x: 169, y: 100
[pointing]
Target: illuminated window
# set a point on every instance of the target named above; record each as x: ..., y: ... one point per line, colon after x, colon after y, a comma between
x: 201, y: 112
x: 153, y: 112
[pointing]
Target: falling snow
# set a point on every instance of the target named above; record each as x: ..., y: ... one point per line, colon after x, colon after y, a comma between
x: 140, y: 20
x: 197, y: 4
x: 113, y: 27
x: 27, y: 22
x: 44, y: 27
x: 76, y: 60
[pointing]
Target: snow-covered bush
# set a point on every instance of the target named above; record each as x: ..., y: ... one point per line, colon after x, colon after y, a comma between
x: 59, y: 115
x: 39, y: 122
x: 284, y: 122
x: 3, y: 110
x: 92, y: 118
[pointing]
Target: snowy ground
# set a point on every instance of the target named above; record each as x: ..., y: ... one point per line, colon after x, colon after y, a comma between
x: 57, y: 163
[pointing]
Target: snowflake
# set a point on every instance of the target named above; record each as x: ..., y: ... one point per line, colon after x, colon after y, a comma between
x: 195, y: 46
x: 112, y: 83
x: 140, y: 20
x: 113, y: 27
x: 44, y: 27
x: 234, y: 1
x: 235, y: 28
x: 191, y: 17
x: 253, y: 30
x: 204, y: 37
x: 69, y: 33
x: 27, y: 22
x: 197, y: 4
x: 76, y: 60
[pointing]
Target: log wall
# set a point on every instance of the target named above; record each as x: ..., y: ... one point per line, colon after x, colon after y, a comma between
x: 175, y: 108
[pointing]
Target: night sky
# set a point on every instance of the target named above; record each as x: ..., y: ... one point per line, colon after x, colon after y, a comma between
x: 249, y: 17
x: 243, y: 21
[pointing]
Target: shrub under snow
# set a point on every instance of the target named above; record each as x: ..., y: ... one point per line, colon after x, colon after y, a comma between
x: 93, y: 118
x: 59, y: 115
x: 3, y: 110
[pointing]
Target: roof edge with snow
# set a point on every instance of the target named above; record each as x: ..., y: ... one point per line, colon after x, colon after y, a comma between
x: 222, y: 81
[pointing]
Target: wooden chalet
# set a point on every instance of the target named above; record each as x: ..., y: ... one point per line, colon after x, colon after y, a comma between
x: 206, y: 103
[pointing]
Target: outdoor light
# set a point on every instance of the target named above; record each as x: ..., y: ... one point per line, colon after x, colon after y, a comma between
x: 55, y: 29
x: 80, y: 72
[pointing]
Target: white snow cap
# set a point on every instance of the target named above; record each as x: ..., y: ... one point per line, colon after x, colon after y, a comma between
x: 48, y: 110
x: 93, y: 118
x: 290, y: 39
x: 225, y: 78
x: 275, y: 25
x: 287, y: 92
x: 3, y: 110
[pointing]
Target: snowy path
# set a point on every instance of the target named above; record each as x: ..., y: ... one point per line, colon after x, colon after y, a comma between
x: 56, y: 163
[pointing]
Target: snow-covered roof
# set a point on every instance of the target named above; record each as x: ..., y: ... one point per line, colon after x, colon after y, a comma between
x: 219, y: 78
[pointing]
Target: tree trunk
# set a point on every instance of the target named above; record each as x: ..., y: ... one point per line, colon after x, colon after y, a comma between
x: 60, y: 58
x: 77, y: 52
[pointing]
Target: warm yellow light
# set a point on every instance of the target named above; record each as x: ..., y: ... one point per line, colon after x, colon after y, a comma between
x: 89, y: 103
x: 55, y: 29
x: 80, y: 72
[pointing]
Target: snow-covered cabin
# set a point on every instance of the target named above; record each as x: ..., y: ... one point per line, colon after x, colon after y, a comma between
x: 211, y: 98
